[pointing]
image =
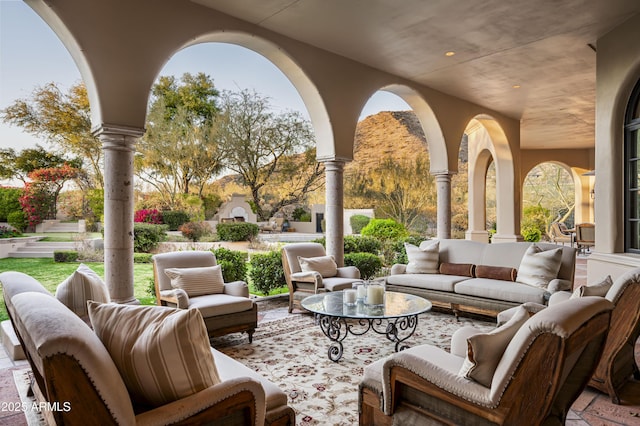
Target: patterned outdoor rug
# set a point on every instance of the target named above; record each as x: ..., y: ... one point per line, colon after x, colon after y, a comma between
x: 292, y: 353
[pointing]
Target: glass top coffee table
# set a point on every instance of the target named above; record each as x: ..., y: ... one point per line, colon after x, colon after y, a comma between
x: 397, y: 318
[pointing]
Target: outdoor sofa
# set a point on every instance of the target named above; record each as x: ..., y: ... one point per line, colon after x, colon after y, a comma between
x: 74, y: 370
x: 469, y: 276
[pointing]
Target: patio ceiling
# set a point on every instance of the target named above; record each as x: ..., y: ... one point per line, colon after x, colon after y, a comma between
x: 545, y: 47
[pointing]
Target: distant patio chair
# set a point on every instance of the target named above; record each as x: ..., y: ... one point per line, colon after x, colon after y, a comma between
x: 558, y: 236
x: 585, y: 236
x: 274, y: 225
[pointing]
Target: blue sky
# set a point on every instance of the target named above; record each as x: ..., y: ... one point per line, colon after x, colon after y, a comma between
x: 31, y: 55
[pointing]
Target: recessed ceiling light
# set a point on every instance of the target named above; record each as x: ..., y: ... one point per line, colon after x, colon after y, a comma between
x: 450, y: 53
x: 516, y: 86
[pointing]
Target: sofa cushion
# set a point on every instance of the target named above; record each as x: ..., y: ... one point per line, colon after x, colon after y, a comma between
x: 484, y: 350
x: 211, y: 305
x: 163, y: 354
x: 538, y: 266
x: 324, y: 265
x: 423, y: 259
x: 496, y: 272
x: 500, y: 290
x: 599, y: 288
x: 459, y: 269
x: 197, y: 281
x: 82, y: 285
x: 427, y: 281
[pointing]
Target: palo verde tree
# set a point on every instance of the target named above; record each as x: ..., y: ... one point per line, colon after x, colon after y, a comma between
x: 63, y: 119
x: 177, y: 151
x: 258, y: 144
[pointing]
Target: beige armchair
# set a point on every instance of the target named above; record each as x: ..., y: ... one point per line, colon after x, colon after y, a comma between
x: 559, y: 235
x: 585, y: 236
x: 228, y: 310
x: 617, y: 363
x: 303, y: 281
x: 274, y: 225
x: 544, y: 368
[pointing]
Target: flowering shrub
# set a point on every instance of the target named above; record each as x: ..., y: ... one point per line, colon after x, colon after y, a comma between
x: 8, y: 232
x: 195, y: 230
x: 36, y: 203
x: 152, y: 216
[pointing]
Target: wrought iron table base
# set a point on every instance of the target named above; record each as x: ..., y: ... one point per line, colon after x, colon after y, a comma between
x: 338, y: 328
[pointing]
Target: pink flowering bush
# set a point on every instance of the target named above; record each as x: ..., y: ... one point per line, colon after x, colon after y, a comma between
x: 152, y: 216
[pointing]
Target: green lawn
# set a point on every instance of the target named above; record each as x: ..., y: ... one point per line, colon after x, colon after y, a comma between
x: 62, y: 237
x: 50, y: 274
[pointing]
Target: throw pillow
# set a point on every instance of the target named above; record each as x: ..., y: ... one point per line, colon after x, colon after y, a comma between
x: 459, y: 269
x: 197, y: 281
x: 423, y: 259
x: 324, y: 265
x: 163, y: 354
x: 485, y: 350
x: 84, y: 284
x: 496, y: 272
x: 538, y: 267
x: 596, y: 289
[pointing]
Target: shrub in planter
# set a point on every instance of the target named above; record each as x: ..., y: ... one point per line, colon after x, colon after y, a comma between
x: 369, y: 264
x: 65, y: 256
x: 233, y: 264
x: 146, y: 237
x: 358, y: 221
x: 266, y: 272
x: 174, y: 218
x: 194, y: 231
x: 237, y: 231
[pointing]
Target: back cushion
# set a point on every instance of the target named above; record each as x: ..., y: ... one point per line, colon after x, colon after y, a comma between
x: 197, y: 281
x: 424, y: 259
x: 538, y: 267
x: 324, y: 265
x: 83, y: 285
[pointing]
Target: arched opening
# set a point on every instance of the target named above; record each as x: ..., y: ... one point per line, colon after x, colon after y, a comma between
x: 548, y: 195
x: 632, y: 173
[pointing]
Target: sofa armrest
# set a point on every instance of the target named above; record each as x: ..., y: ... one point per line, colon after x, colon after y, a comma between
x: 242, y: 395
x: 459, y: 345
x: 398, y: 269
x: 177, y: 296
x: 236, y: 288
x: 348, y: 272
x: 559, y: 285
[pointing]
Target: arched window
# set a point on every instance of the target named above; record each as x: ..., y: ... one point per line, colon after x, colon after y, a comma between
x: 632, y: 172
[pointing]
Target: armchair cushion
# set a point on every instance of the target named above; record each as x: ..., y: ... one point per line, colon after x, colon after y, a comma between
x: 324, y: 265
x: 162, y: 353
x: 423, y: 259
x: 197, y: 281
x: 211, y: 305
x: 82, y: 285
x: 599, y: 288
x: 484, y: 350
x: 538, y: 267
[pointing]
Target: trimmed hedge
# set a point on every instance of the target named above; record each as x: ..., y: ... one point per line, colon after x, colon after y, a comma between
x: 266, y: 272
x: 174, y: 218
x: 233, y: 264
x: 142, y: 258
x: 385, y: 229
x: 65, y: 256
x: 237, y: 231
x: 369, y: 264
x: 358, y: 221
x: 146, y: 236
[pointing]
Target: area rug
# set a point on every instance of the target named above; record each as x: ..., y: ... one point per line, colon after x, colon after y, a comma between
x: 292, y: 353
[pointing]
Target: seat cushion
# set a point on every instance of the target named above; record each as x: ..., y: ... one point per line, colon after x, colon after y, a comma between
x: 324, y: 265
x: 229, y: 368
x: 484, y: 350
x: 439, y: 282
x: 338, y: 283
x: 212, y: 305
x: 82, y: 285
x: 197, y: 281
x: 500, y: 290
x: 538, y: 266
x: 424, y: 259
x: 163, y: 354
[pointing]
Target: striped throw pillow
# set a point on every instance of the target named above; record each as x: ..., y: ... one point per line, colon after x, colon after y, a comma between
x: 538, y: 267
x: 162, y: 354
x: 197, y: 281
x: 84, y: 284
x: 423, y: 259
x: 324, y: 265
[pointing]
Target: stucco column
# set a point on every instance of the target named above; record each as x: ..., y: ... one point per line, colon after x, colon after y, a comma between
x: 443, y: 186
x: 334, y: 209
x: 118, y: 144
